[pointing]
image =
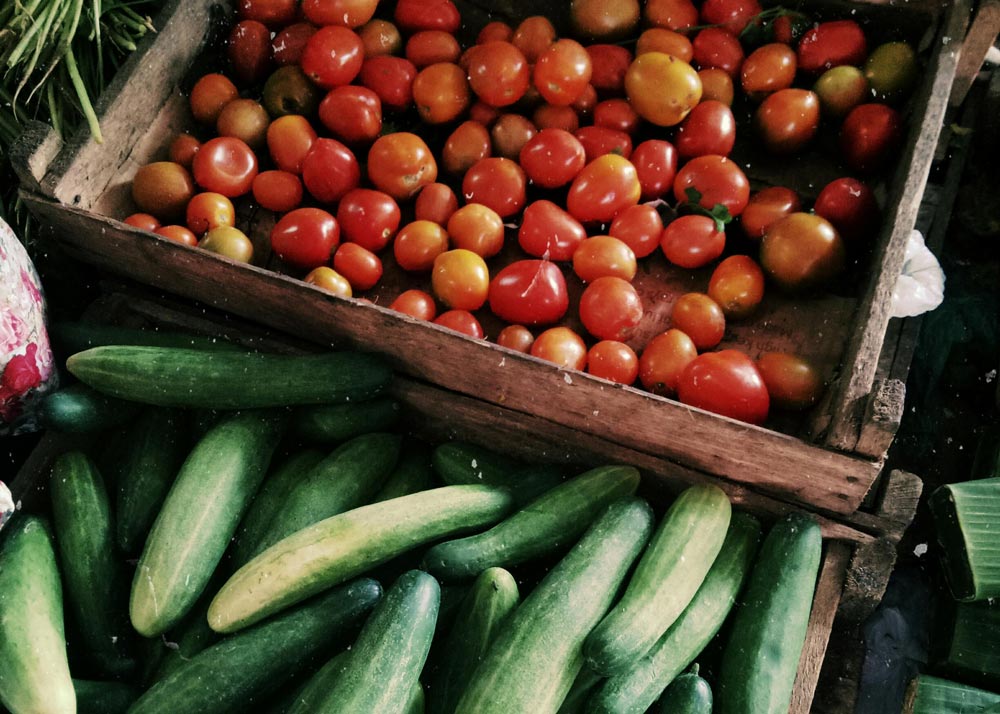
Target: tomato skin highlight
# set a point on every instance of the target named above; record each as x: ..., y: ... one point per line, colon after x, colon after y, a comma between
x: 851, y: 207
x: 726, y: 383
x: 529, y: 292
x: 332, y: 56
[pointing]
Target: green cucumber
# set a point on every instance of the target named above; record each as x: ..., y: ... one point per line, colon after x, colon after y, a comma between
x: 667, y: 577
x: 72, y: 337
x: 151, y: 455
x: 79, y: 409
x: 277, y: 486
x: 761, y: 657
x: 94, y: 578
x: 576, y: 698
x: 348, y: 544
x: 413, y: 472
x: 688, y: 694
x: 385, y: 661
x: 177, y: 377
x: 312, y: 692
x: 492, y: 597
x: 333, y: 423
x: 461, y: 463
x: 96, y: 697
x: 199, y: 517
x: 635, y: 691
x: 34, y: 671
x: 549, y: 524
x: 416, y: 703
x: 538, y: 653
x: 347, y: 478
x: 237, y: 670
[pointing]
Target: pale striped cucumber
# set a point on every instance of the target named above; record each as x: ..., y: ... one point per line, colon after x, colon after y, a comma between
x: 333, y: 423
x: 635, y: 691
x: 348, y: 544
x: 199, y: 517
x: 385, y: 662
x: 489, y: 601
x: 668, y: 576
x: 538, y: 653
x: 34, y: 671
x: 413, y: 472
x: 549, y: 524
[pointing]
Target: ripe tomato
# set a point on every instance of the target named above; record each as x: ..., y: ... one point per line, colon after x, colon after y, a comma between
x: 369, y: 218
x: 142, y: 221
x: 332, y: 56
x: 610, y: 308
x: 477, y: 228
x: 655, y: 162
x: 460, y: 321
x: 494, y: 30
x: 767, y: 206
x: 485, y: 113
x: 599, y: 256
x: 603, y: 20
x: 271, y: 12
x: 710, y: 128
x: 209, y: 210
x: 788, y: 120
x: 391, y: 78
x: 529, y: 292
x: 380, y: 37
x: 600, y: 140
x: 469, y: 143
x: 352, y: 114
x: 717, y: 85
x: 244, y: 119
x: 604, y: 187
x: 768, y: 68
x: 700, y: 318
x: 227, y: 241
x: 182, y: 150
x: 614, y: 361
x: 289, y: 91
x: 584, y: 105
x: 209, y: 95
x: 289, y: 139
x: 415, y: 15
x: 616, y: 114
x: 460, y: 279
x: 510, y: 133
x: 562, y: 72
x: 496, y: 182
x: 248, y: 49
x: 692, y: 241
x: 801, y: 251
x: 840, y: 89
x: 547, y: 116
x: 671, y: 14
x: 737, y: 285
x: 562, y: 346
x: 851, y: 207
x: 830, y: 44
x: 163, y: 189
x: 360, y: 266
x: 717, y: 179
x: 499, y: 73
x: 516, y: 337
x: 225, y: 165
x: 330, y: 170
x: 792, y: 382
x: 441, y: 92
x: 400, y: 164
x: 349, y: 13
x: 547, y: 231
x: 330, y: 280
x: 178, y: 234
x: 639, y: 227
x: 664, y: 359
x: 306, y: 237
x: 727, y: 383
x: 660, y: 39
x: 662, y: 88
x: 429, y: 47
x: 869, y: 136
x: 716, y: 48
x: 552, y: 158
x: 435, y: 202
x: 533, y: 36
x: 608, y: 66
x: 733, y: 15
x: 415, y: 303
x: 417, y: 245
x: 288, y: 43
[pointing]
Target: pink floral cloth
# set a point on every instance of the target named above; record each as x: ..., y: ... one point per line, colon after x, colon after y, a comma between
x: 26, y: 366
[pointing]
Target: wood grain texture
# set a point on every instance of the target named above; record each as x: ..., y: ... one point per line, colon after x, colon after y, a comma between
x: 980, y: 37
x: 32, y: 153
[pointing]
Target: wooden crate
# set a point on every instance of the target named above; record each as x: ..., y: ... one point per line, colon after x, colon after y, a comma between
x: 858, y: 550
x: 827, y: 461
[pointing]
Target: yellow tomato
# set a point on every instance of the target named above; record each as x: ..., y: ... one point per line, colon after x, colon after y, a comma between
x: 662, y: 88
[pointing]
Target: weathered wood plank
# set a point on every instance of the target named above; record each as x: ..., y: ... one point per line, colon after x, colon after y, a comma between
x: 981, y: 36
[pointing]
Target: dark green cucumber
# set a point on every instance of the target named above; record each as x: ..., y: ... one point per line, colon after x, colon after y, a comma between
x: 151, y: 455
x: 277, y: 486
x: 385, y: 662
x: 635, y: 691
x: 94, y: 579
x: 538, y: 653
x: 312, y: 693
x: 34, y: 671
x: 176, y: 377
x: 576, y: 698
x: 491, y: 598
x: 95, y: 697
x: 549, y: 524
x: 761, y: 657
x: 73, y: 337
x: 413, y: 472
x: 416, y: 703
x: 78, y: 409
x: 333, y: 423
x: 667, y: 577
x: 199, y: 517
x: 460, y: 463
x: 347, y: 478
x: 688, y: 694
x: 348, y: 544
x: 234, y: 672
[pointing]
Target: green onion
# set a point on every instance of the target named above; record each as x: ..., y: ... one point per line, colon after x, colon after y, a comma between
x: 931, y: 695
x: 967, y: 521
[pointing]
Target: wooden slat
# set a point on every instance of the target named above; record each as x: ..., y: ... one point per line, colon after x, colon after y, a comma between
x: 981, y: 36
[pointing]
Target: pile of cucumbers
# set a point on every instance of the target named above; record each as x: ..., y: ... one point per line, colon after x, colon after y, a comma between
x: 257, y: 530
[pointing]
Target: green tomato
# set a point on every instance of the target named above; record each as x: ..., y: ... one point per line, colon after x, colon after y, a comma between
x: 891, y: 70
x: 840, y: 89
x: 230, y: 242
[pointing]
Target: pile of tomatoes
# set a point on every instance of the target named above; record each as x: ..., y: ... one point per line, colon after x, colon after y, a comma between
x: 505, y: 176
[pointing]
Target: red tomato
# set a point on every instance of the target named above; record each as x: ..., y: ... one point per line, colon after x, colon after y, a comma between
x: 349, y: 13
x: 460, y: 279
x: 792, y: 382
x: 497, y: 183
x: 717, y: 179
x: 607, y: 185
x: 498, y: 72
x: 830, y: 44
x: 672, y: 14
x: 664, y: 359
x: 692, y: 241
x: 608, y: 66
x: 330, y: 170
x: 788, y: 120
x: 561, y: 346
x: 510, y: 133
x: 494, y: 30
x: 516, y: 337
x: 614, y: 361
x: 435, y: 202
x: 639, y: 227
x: 717, y: 85
x: 182, y: 150
x: 552, y: 158
x: 533, y: 36
x: 733, y: 15
x: 710, y: 128
x: 369, y: 218
x: 352, y: 114
x: 599, y: 256
x: 700, y: 318
x: 547, y: 116
x: 610, y: 308
x: 391, y: 78
x: 163, y: 189
x: 767, y: 206
x: 477, y: 228
x: 332, y: 56
x: 547, y: 231
x: 305, y: 238
x: 380, y: 37
x: 178, y: 234
x: 271, y: 12
x: 469, y: 143
x: 869, y: 136
x: 529, y: 292
x: 429, y: 47
x: 717, y: 48
x: 209, y: 210
x: 801, y: 251
x: 660, y: 39
x: 441, y: 92
x: 563, y: 72
x: 209, y: 95
x: 415, y: 303
x: 655, y: 162
x: 727, y: 383
x: 851, y: 207
x: 600, y: 140
x: 768, y: 68
x: 249, y: 51
x: 415, y: 15
x: 737, y: 285
x: 287, y: 45
x: 616, y: 114
x: 289, y: 139
x: 143, y: 221
x: 225, y: 165
x: 460, y: 321
x: 400, y: 164
x: 360, y: 266
x: 418, y: 244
